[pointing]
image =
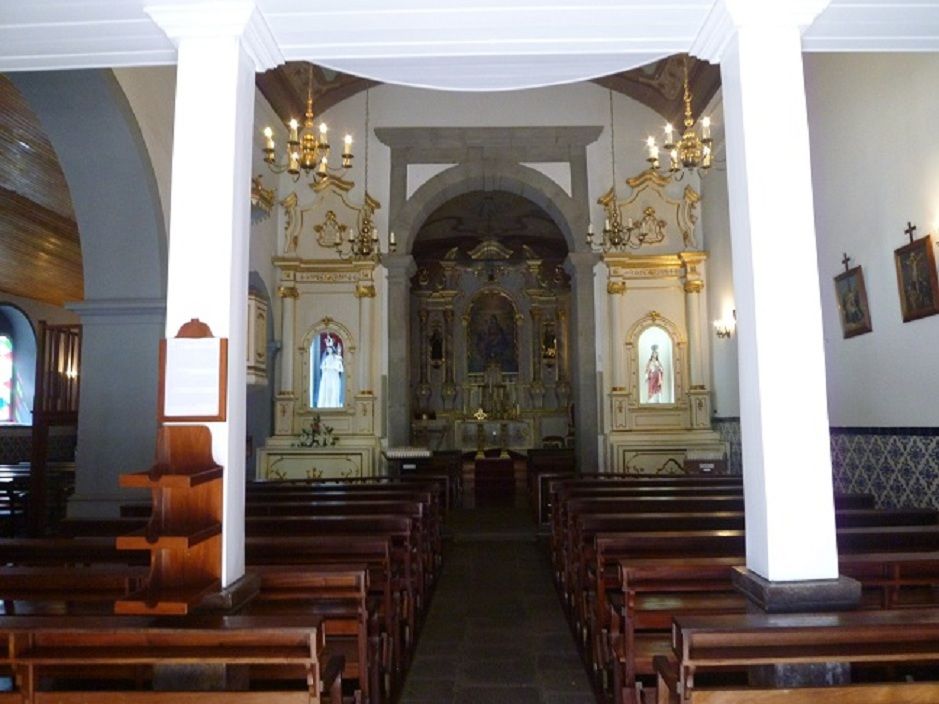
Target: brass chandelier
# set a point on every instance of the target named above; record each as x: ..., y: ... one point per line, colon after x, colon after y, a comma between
x: 617, y: 235
x: 691, y: 152
x: 363, y: 244
x: 307, y: 147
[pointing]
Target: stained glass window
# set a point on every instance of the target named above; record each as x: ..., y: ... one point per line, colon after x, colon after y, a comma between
x: 6, y: 379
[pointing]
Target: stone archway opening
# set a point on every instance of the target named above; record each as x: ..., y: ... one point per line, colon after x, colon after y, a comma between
x: 489, y: 320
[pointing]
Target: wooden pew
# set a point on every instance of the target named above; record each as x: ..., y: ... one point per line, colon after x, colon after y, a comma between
x: 375, y: 552
x: 43, y: 649
x: 338, y: 593
x: 734, y: 642
x: 596, y: 619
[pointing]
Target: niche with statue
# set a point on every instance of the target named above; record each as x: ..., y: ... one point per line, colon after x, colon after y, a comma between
x: 659, y: 417
x: 330, y: 356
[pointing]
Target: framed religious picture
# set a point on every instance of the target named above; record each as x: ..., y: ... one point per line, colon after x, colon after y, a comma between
x: 916, y: 279
x: 852, y: 302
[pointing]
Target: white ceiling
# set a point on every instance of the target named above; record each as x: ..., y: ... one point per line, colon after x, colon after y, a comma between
x: 450, y: 44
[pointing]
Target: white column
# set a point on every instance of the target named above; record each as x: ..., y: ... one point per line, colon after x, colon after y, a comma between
x: 693, y: 305
x: 790, y: 524
x: 220, y: 46
x: 288, y: 296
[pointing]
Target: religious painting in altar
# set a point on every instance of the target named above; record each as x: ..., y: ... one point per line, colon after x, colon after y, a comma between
x: 852, y: 302
x: 656, y: 366
x: 328, y: 389
x: 491, y: 336
x: 916, y: 279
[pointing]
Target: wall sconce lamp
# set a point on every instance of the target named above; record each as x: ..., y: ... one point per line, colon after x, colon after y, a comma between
x: 724, y: 327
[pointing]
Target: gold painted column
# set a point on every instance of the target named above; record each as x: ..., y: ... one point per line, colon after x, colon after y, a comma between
x: 537, y: 387
x: 423, y: 388
x: 616, y: 289
x: 449, y: 387
x: 365, y: 292
x: 288, y: 296
x: 693, y: 303
x: 286, y: 400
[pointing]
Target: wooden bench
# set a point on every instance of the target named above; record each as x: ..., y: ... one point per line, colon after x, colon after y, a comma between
x: 655, y: 589
x: 338, y: 593
x: 41, y: 651
x: 735, y: 642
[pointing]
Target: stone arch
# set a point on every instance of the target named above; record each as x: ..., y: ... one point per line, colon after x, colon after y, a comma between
x: 123, y: 243
x: 567, y: 213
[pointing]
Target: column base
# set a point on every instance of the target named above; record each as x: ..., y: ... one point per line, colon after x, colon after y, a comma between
x: 807, y: 596
x: 814, y: 595
x: 234, y: 596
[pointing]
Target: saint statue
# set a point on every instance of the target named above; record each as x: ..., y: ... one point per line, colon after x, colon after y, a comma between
x: 330, y: 391
x: 655, y: 374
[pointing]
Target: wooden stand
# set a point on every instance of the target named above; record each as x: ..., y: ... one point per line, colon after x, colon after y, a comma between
x: 184, y: 535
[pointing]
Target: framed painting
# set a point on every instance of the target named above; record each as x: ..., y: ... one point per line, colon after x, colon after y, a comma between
x: 916, y: 279
x: 852, y: 303
x: 491, y: 337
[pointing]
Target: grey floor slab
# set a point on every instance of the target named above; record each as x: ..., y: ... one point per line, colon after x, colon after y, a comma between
x: 495, y: 631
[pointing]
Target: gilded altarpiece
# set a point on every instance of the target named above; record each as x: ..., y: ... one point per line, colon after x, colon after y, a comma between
x: 325, y: 421
x: 659, y: 418
x: 490, y: 328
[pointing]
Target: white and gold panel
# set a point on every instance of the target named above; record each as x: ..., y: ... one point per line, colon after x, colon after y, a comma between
x: 315, y: 462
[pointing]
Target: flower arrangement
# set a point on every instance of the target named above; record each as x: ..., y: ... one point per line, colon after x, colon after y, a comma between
x: 318, y: 435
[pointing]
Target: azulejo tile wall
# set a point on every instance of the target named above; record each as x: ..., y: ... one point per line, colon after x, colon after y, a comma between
x: 729, y: 430
x: 899, y: 466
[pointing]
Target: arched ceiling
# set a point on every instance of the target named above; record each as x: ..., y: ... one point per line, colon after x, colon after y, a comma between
x: 473, y: 218
x: 40, y: 252
x: 657, y: 85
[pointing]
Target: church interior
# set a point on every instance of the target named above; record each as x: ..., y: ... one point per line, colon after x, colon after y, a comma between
x: 478, y: 353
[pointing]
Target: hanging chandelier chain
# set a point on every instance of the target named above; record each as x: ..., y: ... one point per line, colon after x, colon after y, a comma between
x: 366, y: 140
x: 612, y: 141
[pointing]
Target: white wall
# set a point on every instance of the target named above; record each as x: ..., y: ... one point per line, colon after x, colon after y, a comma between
x: 872, y: 121
x: 715, y: 222
x: 151, y: 93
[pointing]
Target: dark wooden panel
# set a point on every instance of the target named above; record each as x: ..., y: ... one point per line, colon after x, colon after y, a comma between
x: 40, y: 251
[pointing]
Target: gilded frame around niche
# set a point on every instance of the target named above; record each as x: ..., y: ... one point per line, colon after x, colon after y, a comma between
x: 853, y: 309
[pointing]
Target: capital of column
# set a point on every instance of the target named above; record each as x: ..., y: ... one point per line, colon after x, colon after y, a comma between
x: 580, y: 262
x: 694, y: 286
x: 616, y: 288
x: 119, y: 310
x: 399, y: 266
x: 219, y: 19
x: 288, y: 292
x: 728, y: 16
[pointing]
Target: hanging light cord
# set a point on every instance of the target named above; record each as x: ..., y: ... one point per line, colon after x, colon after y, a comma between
x: 366, y: 144
x: 612, y: 142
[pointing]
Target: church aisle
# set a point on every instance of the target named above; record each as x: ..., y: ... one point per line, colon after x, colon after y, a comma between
x: 495, y: 633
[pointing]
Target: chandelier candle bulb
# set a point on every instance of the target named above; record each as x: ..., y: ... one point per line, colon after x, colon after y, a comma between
x: 294, y: 137
x: 391, y: 240
x: 347, y: 145
x: 705, y: 128
x: 269, y: 139
x: 669, y: 141
x: 323, y: 166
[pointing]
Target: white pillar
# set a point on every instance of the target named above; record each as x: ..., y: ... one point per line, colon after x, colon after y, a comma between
x: 220, y: 46
x: 790, y: 524
x: 288, y: 298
